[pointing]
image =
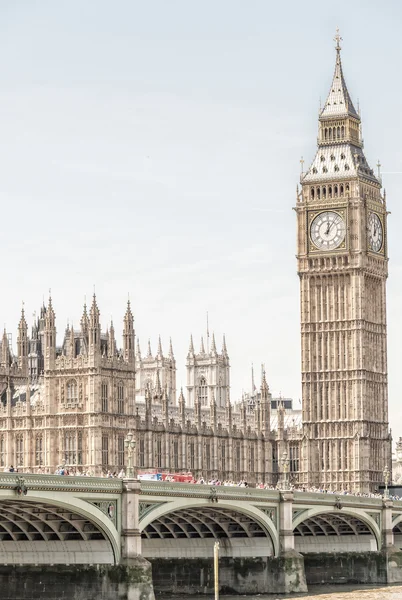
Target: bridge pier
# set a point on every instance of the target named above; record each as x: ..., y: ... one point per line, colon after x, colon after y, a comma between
x: 136, y: 571
x: 291, y: 562
x: 393, y: 556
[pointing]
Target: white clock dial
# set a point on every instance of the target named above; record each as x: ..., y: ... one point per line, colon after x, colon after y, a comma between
x: 328, y: 230
x: 375, y: 234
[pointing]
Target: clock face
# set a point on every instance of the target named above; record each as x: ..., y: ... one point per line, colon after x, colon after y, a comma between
x: 328, y: 230
x: 375, y: 234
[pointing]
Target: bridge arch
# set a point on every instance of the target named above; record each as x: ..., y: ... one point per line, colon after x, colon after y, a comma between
x: 45, y: 529
x: 187, y: 517
x: 337, y: 522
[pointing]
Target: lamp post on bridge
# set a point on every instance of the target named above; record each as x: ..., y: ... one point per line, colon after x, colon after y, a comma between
x: 129, y: 444
x: 285, y: 466
x: 386, y: 474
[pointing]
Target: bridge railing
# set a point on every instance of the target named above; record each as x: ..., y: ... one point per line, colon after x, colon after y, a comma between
x: 66, y: 483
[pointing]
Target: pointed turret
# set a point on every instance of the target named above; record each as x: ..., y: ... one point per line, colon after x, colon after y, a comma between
x: 22, y: 340
x: 338, y: 103
x: 340, y: 146
x: 138, y: 351
x: 72, y: 342
x: 158, y: 387
x: 50, y: 336
x: 212, y: 411
x: 182, y: 407
x: 170, y: 355
x: 159, y: 354
x: 111, y: 350
x: 265, y: 405
x: 129, y: 335
x: 85, y: 322
x: 149, y: 351
x: 224, y: 348
x: 5, y: 351
x: 202, y: 348
x: 94, y: 328
x: 191, y: 347
x: 213, y: 346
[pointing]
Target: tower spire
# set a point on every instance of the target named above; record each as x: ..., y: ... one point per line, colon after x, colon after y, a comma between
x: 338, y: 102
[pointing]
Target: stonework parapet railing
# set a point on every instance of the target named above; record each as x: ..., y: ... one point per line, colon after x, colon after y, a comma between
x: 62, y: 483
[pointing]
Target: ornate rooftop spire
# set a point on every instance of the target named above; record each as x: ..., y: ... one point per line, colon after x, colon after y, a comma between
x: 338, y: 102
x: 224, y: 349
x: 213, y: 345
x: 149, y: 353
x: 191, y: 347
x: 159, y: 354
x: 171, y: 355
x: 202, y: 348
x: 138, y: 353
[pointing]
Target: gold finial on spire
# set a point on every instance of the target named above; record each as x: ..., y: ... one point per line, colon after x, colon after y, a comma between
x: 337, y: 39
x: 302, y: 164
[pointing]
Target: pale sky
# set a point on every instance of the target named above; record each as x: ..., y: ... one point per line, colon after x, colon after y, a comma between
x: 153, y: 148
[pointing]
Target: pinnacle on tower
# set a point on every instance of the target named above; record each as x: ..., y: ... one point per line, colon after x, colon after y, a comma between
x: 181, y: 396
x: 264, y: 384
x: 224, y: 348
x: 202, y: 349
x: 158, y: 387
x: 138, y: 351
x: 22, y: 324
x: 112, y: 341
x: 338, y: 102
x: 213, y: 346
x: 159, y: 354
x: 171, y: 355
x: 94, y: 312
x: 50, y: 314
x: 149, y: 353
x: 191, y: 347
x: 84, y: 320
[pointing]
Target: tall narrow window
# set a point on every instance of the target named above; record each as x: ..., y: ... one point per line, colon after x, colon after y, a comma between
x: 141, y: 455
x: 294, y: 458
x: 104, y: 398
x: 72, y: 392
x: 105, y: 450
x: 176, y: 454
x: 19, y: 450
x: 203, y: 392
x: 208, y: 455
x: 159, y: 453
x: 120, y: 398
x: 39, y: 449
x: 70, y: 447
x: 223, y: 456
x: 120, y: 451
x: 251, y: 462
x: 192, y: 455
x: 2, y: 451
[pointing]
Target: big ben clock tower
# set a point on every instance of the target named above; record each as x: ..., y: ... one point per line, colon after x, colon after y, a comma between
x: 343, y: 266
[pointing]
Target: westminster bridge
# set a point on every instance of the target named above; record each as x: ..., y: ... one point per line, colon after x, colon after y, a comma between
x: 96, y: 530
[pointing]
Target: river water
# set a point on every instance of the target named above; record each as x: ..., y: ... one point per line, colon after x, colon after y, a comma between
x: 327, y: 592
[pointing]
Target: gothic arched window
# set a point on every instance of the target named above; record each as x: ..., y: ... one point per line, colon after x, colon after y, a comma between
x: 2, y: 451
x: 39, y: 449
x: 19, y: 450
x: 104, y: 397
x: 72, y: 391
x: 203, y: 392
x: 120, y: 398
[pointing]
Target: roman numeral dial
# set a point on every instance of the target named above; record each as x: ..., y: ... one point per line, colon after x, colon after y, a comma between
x: 328, y: 230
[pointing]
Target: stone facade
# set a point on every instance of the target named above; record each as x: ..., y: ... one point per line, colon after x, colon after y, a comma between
x: 343, y: 266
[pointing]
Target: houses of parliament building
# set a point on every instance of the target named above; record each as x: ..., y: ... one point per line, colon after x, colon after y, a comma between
x: 74, y: 404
